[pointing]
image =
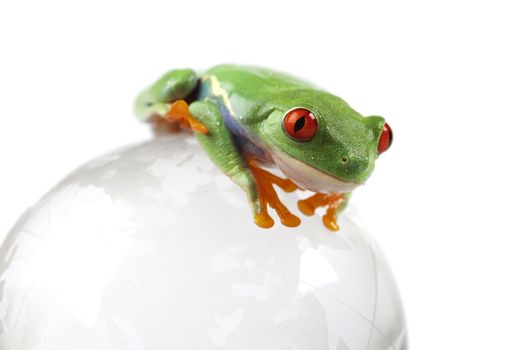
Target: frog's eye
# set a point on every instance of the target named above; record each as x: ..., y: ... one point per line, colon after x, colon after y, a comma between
x: 385, y: 140
x: 300, y: 124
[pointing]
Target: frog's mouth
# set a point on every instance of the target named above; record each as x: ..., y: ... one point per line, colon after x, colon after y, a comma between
x: 310, y: 178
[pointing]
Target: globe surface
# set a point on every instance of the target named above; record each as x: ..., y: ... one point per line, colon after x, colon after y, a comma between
x: 152, y: 247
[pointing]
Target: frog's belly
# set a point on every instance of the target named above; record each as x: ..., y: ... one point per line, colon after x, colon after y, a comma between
x: 310, y: 178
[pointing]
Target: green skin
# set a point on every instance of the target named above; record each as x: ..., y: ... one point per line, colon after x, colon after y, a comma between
x: 243, y: 109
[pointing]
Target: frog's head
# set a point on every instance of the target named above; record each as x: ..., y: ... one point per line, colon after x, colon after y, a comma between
x: 321, y: 143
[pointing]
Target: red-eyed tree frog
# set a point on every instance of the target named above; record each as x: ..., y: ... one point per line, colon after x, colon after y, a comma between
x: 249, y: 119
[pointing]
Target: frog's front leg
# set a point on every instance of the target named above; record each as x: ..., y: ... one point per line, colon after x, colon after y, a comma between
x: 335, y: 203
x: 267, y: 196
x: 256, y: 182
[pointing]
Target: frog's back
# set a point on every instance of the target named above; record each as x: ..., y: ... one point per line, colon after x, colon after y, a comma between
x: 253, y: 82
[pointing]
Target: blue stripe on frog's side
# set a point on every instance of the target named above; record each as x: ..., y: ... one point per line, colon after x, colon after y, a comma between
x: 241, y: 135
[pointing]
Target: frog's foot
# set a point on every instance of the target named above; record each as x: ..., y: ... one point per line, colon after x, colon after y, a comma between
x: 331, y: 200
x: 267, y: 196
x: 179, y: 114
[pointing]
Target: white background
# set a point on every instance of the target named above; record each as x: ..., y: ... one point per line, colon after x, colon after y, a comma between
x: 446, y: 203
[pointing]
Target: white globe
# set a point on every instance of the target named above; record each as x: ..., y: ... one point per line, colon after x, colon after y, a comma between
x: 152, y: 247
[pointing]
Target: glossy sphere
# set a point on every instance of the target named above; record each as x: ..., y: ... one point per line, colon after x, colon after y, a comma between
x: 300, y: 124
x: 151, y: 247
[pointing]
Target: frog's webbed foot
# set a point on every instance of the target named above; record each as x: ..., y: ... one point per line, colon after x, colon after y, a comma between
x: 180, y: 115
x: 267, y: 196
x: 334, y: 202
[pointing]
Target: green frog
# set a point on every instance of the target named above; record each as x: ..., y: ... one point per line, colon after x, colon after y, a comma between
x: 250, y: 119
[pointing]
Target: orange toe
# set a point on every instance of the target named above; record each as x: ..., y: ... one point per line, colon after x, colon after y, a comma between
x: 263, y: 220
x: 332, y: 200
x: 330, y: 220
x: 180, y: 113
x: 306, y: 207
x: 290, y: 220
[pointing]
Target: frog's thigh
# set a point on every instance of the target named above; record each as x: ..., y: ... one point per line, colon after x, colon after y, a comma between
x: 220, y: 146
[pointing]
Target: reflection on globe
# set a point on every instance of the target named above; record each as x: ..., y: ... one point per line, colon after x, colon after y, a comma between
x: 152, y: 247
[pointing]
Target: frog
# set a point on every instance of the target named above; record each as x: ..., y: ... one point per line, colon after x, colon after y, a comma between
x: 265, y: 129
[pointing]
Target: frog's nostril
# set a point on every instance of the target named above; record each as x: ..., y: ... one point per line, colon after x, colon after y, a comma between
x: 344, y: 160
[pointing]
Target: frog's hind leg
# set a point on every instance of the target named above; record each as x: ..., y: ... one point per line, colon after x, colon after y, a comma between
x: 165, y: 103
x: 335, y: 203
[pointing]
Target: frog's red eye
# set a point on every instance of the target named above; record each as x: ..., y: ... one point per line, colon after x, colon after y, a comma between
x: 300, y: 124
x: 385, y: 140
